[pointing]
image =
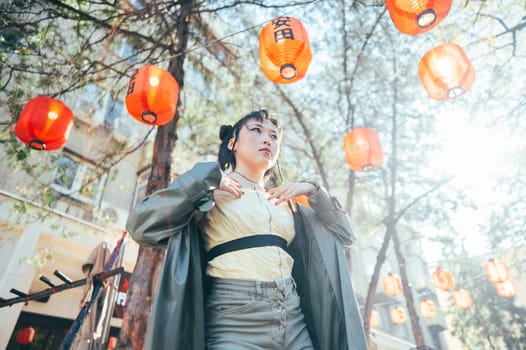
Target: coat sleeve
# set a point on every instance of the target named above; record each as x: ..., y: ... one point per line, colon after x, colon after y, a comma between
x: 165, y: 212
x: 333, y: 216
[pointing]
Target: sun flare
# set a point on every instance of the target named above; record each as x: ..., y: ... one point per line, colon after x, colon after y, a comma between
x: 475, y: 155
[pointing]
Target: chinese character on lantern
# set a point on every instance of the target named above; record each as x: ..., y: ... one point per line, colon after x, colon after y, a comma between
x: 284, y: 50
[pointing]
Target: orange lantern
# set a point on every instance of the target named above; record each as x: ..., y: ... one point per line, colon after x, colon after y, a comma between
x: 397, y: 315
x: 152, y: 95
x: 363, y: 151
x: 25, y: 336
x: 302, y: 200
x: 417, y: 16
x: 284, y: 50
x: 446, y: 72
x: 462, y: 299
x: 442, y: 279
x: 44, y: 124
x: 496, y: 271
x: 506, y: 289
x: 392, y: 284
x: 375, y: 319
x: 427, y: 308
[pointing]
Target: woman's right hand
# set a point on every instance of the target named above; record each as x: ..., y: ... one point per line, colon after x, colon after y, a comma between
x: 230, y: 185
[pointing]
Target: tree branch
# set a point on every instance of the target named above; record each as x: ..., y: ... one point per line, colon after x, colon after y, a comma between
x: 258, y: 3
x: 308, y: 137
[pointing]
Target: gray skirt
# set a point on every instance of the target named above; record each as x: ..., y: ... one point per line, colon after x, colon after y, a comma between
x: 242, y: 314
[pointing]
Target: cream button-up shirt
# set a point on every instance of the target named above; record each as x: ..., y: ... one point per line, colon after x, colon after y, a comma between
x: 251, y: 214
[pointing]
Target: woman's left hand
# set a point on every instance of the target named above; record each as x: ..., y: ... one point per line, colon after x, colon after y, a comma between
x: 290, y: 190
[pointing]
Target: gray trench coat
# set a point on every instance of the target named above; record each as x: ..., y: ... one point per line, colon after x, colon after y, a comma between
x: 170, y: 217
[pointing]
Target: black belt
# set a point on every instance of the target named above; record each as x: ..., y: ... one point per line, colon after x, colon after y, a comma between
x: 245, y: 243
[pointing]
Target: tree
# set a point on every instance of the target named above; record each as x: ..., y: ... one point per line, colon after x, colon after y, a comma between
x: 368, y: 80
x: 97, y: 25
x: 402, y: 167
x: 493, y: 322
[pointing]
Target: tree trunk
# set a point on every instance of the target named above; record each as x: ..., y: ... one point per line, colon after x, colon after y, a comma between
x: 143, y: 281
x: 408, y: 294
x: 391, y: 220
x: 371, y: 291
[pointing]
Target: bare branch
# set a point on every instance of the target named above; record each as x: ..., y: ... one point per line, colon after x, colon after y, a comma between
x: 308, y: 137
x: 258, y: 3
x: 106, y: 23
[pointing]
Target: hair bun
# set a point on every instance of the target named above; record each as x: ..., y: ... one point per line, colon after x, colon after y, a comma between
x: 226, y: 131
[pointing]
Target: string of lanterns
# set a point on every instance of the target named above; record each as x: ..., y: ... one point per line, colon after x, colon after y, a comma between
x: 152, y: 93
x: 495, y: 270
x: 445, y: 72
x: 285, y: 55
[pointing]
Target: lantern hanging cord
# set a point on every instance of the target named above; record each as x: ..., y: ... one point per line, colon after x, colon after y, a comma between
x: 465, y: 283
x: 470, y: 280
x: 196, y: 47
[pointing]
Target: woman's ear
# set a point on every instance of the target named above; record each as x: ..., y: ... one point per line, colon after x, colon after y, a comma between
x: 230, y: 144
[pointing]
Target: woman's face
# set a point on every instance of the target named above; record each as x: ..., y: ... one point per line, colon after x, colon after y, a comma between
x: 257, y: 147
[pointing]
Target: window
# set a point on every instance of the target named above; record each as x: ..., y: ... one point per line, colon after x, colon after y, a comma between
x: 88, y: 105
x: 113, y: 111
x: 128, y: 52
x: 78, y: 180
x: 125, y: 49
x: 89, y: 98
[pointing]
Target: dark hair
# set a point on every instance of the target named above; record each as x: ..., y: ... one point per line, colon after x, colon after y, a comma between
x: 225, y: 156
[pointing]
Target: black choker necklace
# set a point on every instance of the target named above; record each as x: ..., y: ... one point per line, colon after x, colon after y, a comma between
x: 254, y: 184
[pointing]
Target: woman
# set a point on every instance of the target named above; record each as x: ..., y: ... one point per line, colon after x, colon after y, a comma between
x: 245, y: 268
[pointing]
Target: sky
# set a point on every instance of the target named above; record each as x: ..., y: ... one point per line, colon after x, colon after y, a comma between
x: 476, y: 156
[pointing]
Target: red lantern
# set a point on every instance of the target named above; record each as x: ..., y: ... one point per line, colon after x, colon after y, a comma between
x: 375, y: 319
x: 462, y: 299
x: 152, y: 95
x: 392, y: 284
x: 112, y: 343
x: 496, y: 270
x: 442, y: 279
x: 397, y: 315
x: 284, y: 50
x: 44, y: 124
x: 446, y: 72
x: 427, y: 308
x: 506, y: 289
x: 25, y: 336
x: 363, y: 151
x: 417, y: 16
